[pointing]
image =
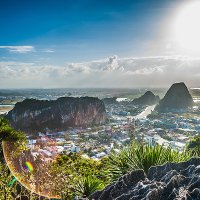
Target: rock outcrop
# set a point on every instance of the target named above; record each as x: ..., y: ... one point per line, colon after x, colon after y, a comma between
x: 112, y: 100
x: 36, y: 115
x: 177, y: 98
x: 180, y: 181
x: 146, y: 99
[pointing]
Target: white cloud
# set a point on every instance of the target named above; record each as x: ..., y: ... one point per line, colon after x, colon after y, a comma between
x: 147, y: 70
x: 18, y: 49
x: 49, y: 50
x: 79, y: 68
x: 110, y: 72
x: 112, y: 64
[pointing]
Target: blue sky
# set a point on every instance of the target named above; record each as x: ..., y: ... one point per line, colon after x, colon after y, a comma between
x: 80, y: 35
x: 83, y: 29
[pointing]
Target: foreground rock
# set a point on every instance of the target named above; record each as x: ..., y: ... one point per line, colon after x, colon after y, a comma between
x: 146, y: 99
x: 177, y: 98
x: 180, y: 181
x: 36, y: 115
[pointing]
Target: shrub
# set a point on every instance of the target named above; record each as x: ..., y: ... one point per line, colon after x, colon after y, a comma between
x: 138, y: 156
x: 87, y: 185
x: 194, y: 145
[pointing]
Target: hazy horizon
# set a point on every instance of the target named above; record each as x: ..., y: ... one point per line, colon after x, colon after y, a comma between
x: 98, y: 88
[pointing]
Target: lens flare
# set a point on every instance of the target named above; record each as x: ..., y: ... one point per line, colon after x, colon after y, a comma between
x: 11, y: 182
x: 33, y: 166
x: 29, y: 166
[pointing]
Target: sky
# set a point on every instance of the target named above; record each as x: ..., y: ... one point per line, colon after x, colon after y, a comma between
x: 89, y: 43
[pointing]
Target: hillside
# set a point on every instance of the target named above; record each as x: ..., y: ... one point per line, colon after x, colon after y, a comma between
x: 36, y: 115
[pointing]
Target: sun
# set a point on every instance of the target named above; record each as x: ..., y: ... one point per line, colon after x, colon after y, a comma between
x: 187, y: 27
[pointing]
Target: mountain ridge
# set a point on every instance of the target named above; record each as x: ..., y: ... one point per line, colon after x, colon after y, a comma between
x: 36, y: 115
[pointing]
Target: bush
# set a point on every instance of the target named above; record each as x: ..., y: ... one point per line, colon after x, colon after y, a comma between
x: 136, y: 156
x: 76, y: 175
x: 87, y: 185
x: 194, y: 145
x: 7, y: 133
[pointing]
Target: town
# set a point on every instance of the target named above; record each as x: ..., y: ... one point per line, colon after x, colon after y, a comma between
x: 148, y: 126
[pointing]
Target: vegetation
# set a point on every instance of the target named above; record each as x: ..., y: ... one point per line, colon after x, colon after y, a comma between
x: 88, y: 185
x: 9, y: 188
x: 139, y: 156
x: 80, y: 176
x: 5, y: 179
x: 7, y: 133
x: 194, y: 145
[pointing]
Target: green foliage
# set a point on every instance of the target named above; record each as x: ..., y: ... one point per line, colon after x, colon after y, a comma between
x: 11, y: 189
x: 136, y: 156
x: 86, y: 185
x: 194, y: 145
x: 78, y: 164
x: 77, y: 175
x: 7, y: 133
x: 5, y: 178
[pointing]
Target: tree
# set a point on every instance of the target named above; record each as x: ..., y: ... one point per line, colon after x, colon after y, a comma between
x: 194, y: 145
x: 131, y: 131
x: 6, y: 188
x: 76, y: 175
x: 7, y: 133
x: 9, y: 187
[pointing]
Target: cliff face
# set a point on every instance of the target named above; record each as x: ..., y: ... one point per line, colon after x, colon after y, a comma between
x: 112, y: 100
x: 146, y: 99
x: 35, y: 115
x: 168, y: 182
x: 176, y: 98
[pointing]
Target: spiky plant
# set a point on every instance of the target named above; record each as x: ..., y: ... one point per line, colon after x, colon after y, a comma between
x: 139, y: 156
x: 87, y: 185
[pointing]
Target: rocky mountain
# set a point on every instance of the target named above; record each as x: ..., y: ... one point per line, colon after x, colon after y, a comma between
x: 112, y: 100
x: 176, y: 98
x: 35, y: 115
x: 172, y: 181
x: 146, y: 99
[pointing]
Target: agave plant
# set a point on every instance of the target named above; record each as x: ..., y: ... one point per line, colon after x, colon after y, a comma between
x: 139, y: 156
x: 87, y: 185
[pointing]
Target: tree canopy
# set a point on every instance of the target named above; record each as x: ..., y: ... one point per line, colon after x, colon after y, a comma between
x: 194, y: 145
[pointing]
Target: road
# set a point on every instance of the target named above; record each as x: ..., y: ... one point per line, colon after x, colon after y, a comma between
x: 144, y: 113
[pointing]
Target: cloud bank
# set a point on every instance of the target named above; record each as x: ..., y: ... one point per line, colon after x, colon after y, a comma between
x: 160, y: 71
x: 18, y: 49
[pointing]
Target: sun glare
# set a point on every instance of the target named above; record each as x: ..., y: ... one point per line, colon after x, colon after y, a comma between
x: 187, y: 27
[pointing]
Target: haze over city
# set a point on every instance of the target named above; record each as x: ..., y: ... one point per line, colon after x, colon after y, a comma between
x: 51, y: 44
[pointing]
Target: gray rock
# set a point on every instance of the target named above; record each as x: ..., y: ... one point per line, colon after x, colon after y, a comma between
x: 172, y: 181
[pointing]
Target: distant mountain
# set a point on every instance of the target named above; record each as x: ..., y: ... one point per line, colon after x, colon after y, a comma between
x: 176, y: 98
x: 146, y: 99
x: 33, y: 115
